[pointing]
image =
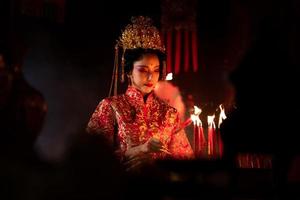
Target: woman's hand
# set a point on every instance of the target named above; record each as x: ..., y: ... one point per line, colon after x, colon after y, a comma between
x: 139, y: 155
x: 154, y: 145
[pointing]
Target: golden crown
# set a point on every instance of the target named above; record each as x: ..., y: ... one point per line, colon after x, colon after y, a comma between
x: 141, y: 34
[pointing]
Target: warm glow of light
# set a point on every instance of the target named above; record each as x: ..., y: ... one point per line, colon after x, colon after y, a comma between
x: 197, y: 111
x: 210, y: 121
x: 169, y: 77
x: 222, y: 115
x: 195, y: 116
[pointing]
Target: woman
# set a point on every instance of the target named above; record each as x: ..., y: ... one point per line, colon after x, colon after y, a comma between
x: 142, y: 126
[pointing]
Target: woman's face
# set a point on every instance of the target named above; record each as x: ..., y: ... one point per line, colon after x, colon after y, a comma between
x: 145, y: 73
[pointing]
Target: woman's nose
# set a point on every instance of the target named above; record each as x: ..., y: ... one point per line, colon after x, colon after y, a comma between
x: 150, y: 76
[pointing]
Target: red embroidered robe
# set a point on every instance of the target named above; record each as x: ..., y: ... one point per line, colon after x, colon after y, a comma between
x: 137, y: 121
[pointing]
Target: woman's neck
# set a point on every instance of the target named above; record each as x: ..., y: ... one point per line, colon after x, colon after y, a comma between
x: 145, y: 97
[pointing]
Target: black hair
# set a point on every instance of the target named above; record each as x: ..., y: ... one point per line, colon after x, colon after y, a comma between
x: 132, y: 55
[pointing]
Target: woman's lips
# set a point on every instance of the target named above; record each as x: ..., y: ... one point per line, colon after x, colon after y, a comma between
x: 149, y: 85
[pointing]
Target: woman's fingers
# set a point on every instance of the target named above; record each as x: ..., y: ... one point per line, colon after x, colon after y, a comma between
x: 155, y: 144
x: 165, y: 150
x: 135, y: 162
x: 133, y: 166
x: 154, y: 147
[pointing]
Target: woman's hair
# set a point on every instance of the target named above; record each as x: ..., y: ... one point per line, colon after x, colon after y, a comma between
x: 133, y: 55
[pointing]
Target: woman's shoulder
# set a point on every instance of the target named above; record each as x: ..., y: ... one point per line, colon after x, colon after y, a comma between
x: 166, y: 106
x: 112, y: 100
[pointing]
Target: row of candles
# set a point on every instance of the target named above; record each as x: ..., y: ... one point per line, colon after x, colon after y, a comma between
x: 202, y: 144
x: 212, y: 146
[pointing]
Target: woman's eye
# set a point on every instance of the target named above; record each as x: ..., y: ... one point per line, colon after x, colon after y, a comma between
x: 156, y: 70
x: 142, y: 70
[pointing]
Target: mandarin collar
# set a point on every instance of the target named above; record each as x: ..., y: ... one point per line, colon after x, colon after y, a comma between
x: 136, y: 96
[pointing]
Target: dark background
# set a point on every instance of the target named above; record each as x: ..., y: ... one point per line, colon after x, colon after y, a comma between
x: 70, y: 63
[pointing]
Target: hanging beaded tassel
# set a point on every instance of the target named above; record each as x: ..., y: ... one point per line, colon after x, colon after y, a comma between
x: 114, y: 78
x: 164, y: 71
x: 123, y: 65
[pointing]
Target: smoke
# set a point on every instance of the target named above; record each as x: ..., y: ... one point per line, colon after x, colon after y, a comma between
x: 171, y: 94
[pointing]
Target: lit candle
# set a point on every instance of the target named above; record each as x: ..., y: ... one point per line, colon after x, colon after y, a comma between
x: 184, y: 125
x: 211, y: 133
x: 201, y: 137
x: 196, y: 138
x: 222, y: 117
x: 197, y: 129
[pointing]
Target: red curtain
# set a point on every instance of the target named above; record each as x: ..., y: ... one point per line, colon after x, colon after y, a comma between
x: 182, y: 51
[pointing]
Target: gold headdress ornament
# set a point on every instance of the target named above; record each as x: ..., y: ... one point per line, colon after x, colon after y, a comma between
x: 141, y: 33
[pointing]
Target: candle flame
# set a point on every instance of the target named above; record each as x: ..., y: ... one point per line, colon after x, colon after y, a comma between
x: 222, y: 115
x: 210, y: 121
x: 195, y: 116
x: 169, y: 77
